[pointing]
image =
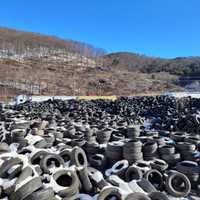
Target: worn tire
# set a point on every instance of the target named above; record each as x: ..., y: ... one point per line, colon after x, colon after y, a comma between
x: 158, y: 196
x: 42, y: 194
x: 137, y: 196
x: 48, y: 159
x: 110, y: 192
x: 173, y: 189
x: 26, y: 189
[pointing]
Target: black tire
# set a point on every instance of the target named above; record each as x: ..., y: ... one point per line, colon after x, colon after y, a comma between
x: 26, y: 172
x: 146, y: 186
x: 150, y: 147
x: 98, y: 161
x: 42, y: 194
x: 41, y: 144
x: 7, y: 164
x: 15, y: 172
x: 133, y: 173
x: 47, y: 161
x: 110, y: 192
x: 185, y: 146
x: 158, y: 196
x: 167, y: 150
x: 78, y: 157
x: 171, y: 159
x: 155, y: 178
x: 66, y: 155
x: 175, y: 188
x: 119, y: 168
x: 26, y: 189
x: 137, y: 196
x: 84, y: 178
x: 97, y: 178
x: 159, y: 164
x: 69, y: 182
x: 4, y: 147
x: 36, y: 158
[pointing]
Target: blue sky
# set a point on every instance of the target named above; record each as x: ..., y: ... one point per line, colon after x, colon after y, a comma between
x: 161, y: 28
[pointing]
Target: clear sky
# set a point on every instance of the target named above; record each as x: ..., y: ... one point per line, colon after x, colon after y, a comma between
x: 161, y: 28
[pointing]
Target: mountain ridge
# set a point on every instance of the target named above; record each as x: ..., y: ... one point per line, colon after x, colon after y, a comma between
x: 38, y: 64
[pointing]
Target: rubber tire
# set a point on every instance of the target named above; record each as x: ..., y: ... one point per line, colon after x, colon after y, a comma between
x: 133, y: 173
x: 171, y: 189
x: 146, y: 185
x: 67, y: 191
x: 137, y: 196
x: 43, y: 194
x: 147, y: 176
x: 107, y: 191
x: 7, y: 165
x: 44, y: 160
x: 26, y: 189
x: 158, y: 196
x: 76, y: 160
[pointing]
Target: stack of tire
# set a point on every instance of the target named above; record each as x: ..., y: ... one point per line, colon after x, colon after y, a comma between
x: 169, y: 155
x: 133, y: 131
x: 132, y: 150
x: 191, y: 170
x: 18, y: 136
x: 104, y: 135
x: 187, y: 150
x: 114, y: 152
x: 149, y: 150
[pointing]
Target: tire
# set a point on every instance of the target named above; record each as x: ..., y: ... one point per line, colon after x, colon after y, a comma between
x: 144, y: 166
x: 7, y: 164
x: 26, y: 189
x: 68, y: 181
x: 178, y: 136
x: 4, y: 147
x: 116, y: 136
x: 66, y: 155
x: 15, y: 172
x: 26, y: 172
x: 155, y: 178
x: 177, y: 190
x: 114, y: 152
x: 78, y: 157
x: 41, y: 144
x: 36, y: 158
x: 167, y: 150
x: 192, y: 140
x: 137, y: 196
x: 159, y: 165
x: 146, y: 186
x: 84, y: 178
x: 98, y: 161
x: 42, y: 194
x: 47, y: 161
x: 97, y: 178
x: 171, y: 159
x: 185, y: 146
x: 133, y: 173
x: 158, y: 196
x: 133, y: 131
x: 110, y: 192
x: 149, y: 147
x: 132, y: 150
x: 120, y: 167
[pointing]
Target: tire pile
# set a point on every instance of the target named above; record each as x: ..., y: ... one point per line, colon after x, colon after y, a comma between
x: 101, y: 150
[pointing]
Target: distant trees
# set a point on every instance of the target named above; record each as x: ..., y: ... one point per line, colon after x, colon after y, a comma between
x: 23, y: 44
x: 138, y: 63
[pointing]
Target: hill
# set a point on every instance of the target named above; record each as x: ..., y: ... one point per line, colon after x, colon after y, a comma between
x: 32, y: 63
x: 145, y: 64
